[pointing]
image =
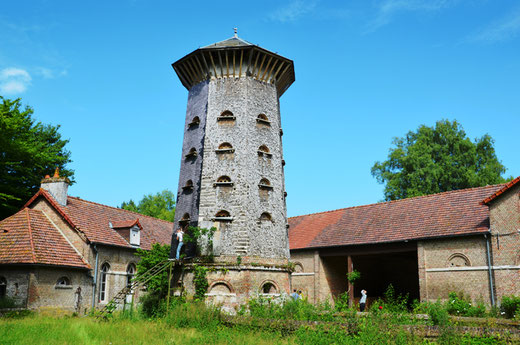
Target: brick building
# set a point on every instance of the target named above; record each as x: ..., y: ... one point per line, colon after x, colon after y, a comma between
x: 463, y: 241
x: 64, y: 252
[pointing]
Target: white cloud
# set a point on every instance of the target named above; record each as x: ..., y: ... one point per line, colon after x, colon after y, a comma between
x: 387, y: 10
x: 48, y: 73
x: 14, y: 80
x: 293, y: 10
x: 502, y: 30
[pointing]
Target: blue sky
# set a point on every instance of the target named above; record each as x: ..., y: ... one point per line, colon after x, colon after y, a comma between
x: 366, y: 71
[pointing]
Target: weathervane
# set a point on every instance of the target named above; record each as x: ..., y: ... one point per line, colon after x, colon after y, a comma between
x: 236, y: 34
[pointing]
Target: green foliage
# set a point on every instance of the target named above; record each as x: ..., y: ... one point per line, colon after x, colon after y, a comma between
x: 239, y: 260
x: 29, y: 150
x: 394, y: 303
x: 160, y: 205
x: 7, y: 302
x: 195, y: 234
x: 510, y: 306
x: 436, y: 311
x: 341, y: 303
x: 460, y: 305
x: 438, y: 159
x: 200, y: 281
x: 158, y: 285
x: 353, y: 276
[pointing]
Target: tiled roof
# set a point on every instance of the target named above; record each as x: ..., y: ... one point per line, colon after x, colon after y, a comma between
x: 502, y: 190
x: 28, y: 237
x: 92, y: 220
x: 127, y: 224
x: 451, y: 213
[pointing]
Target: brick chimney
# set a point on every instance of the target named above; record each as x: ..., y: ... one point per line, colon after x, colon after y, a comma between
x: 57, y: 186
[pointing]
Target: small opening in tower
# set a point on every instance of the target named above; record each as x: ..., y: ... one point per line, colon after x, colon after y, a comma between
x: 266, y: 216
x: 223, y: 181
x: 223, y: 216
x: 225, y: 148
x: 226, y: 116
x: 188, y: 186
x: 192, y: 153
x: 262, y: 119
x: 194, y: 122
x: 264, y: 151
x: 265, y: 184
x: 185, y: 219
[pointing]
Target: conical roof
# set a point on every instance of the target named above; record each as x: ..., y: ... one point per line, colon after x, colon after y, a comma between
x: 234, y: 41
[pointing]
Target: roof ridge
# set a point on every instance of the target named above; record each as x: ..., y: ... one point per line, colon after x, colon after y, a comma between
x: 30, y: 235
x: 401, y: 200
x: 120, y: 209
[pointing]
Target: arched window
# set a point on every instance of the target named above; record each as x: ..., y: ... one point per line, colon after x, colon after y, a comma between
x: 264, y: 151
x: 194, y: 122
x: 225, y: 148
x: 265, y: 184
x: 185, y: 219
x: 266, y: 217
x: 458, y: 260
x: 220, y: 288
x: 269, y: 288
x: 263, y: 120
x: 103, y: 289
x: 3, y: 287
x: 226, y: 115
x: 188, y: 186
x: 223, y: 216
x: 63, y: 282
x: 223, y: 181
x: 130, y: 273
x: 192, y: 153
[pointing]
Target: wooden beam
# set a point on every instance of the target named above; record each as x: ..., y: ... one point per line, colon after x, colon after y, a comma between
x: 213, y: 63
x: 201, y: 69
x: 186, y: 74
x: 195, y: 69
x: 261, y: 64
x: 254, y: 67
x: 278, y: 70
x: 188, y: 70
x: 266, y: 67
x: 271, y: 71
x: 181, y: 77
x: 227, y: 64
x: 205, y: 63
x: 221, y: 64
x: 233, y: 63
x: 251, y: 53
x: 240, y: 68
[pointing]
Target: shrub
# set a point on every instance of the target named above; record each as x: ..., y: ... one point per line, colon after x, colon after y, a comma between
x: 460, y: 305
x: 7, y: 302
x: 510, y: 305
x: 438, y: 313
x: 341, y: 303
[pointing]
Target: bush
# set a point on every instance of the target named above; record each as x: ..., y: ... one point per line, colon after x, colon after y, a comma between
x: 460, y: 305
x: 510, y: 306
x: 7, y: 302
x: 438, y: 314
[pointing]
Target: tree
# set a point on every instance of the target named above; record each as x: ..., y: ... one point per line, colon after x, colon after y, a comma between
x: 438, y: 159
x: 29, y: 150
x: 160, y: 205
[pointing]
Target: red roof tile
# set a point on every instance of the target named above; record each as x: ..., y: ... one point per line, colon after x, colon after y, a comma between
x: 502, y: 190
x: 126, y: 224
x: 451, y: 213
x: 93, y: 220
x: 29, y: 237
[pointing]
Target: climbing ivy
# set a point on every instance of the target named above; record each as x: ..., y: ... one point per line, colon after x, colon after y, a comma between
x: 195, y: 233
x: 200, y: 281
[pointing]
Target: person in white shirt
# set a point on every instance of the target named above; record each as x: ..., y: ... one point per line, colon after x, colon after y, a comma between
x: 180, y: 234
x: 363, y: 300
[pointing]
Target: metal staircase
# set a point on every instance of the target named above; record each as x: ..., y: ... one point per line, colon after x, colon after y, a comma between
x: 141, y: 279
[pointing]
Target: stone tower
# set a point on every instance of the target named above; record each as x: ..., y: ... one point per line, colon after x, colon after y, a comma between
x: 232, y: 168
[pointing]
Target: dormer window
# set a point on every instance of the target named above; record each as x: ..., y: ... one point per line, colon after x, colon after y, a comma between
x: 223, y: 181
x: 264, y: 151
x: 130, y: 230
x: 263, y: 120
x: 135, y: 236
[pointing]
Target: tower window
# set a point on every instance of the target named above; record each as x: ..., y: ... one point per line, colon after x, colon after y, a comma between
x: 263, y: 120
x: 266, y: 217
x: 265, y: 184
x: 188, y: 186
x: 225, y: 148
x: 192, y: 153
x: 226, y: 117
x: 194, y: 122
x: 223, y: 216
x: 264, y: 151
x: 223, y: 181
x: 185, y: 219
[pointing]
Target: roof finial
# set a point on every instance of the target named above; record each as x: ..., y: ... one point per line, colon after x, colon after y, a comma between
x: 57, y: 172
x: 236, y: 34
